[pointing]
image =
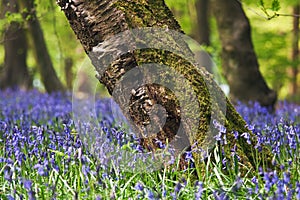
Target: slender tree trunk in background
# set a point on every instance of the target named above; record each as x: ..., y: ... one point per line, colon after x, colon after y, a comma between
x: 96, y: 21
x: 15, y: 46
x: 239, y: 61
x: 46, y: 69
x: 202, y: 32
x: 203, y: 28
x: 294, y: 70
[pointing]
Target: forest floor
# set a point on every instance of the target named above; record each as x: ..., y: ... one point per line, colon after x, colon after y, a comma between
x: 44, y: 156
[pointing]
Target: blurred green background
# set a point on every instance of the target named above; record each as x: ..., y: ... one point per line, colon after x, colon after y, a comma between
x: 272, y: 39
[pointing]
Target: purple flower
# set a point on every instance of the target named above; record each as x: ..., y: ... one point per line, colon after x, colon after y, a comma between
x: 189, y: 156
x: 286, y: 178
x: 37, y: 126
x: 178, y: 187
x: 98, y: 198
x: 31, y: 195
x: 164, y: 192
x: 297, y: 190
x: 236, y: 134
x: 199, y: 190
x: 139, y: 186
x: 220, y: 195
x: 238, y: 184
x: 150, y: 195
x: 8, y: 173
x: 255, y: 181
x: 173, y: 195
x: 224, y: 162
x: 160, y: 144
x: 41, y: 169
x: 9, y: 197
x: 27, y: 184
x: 85, y: 170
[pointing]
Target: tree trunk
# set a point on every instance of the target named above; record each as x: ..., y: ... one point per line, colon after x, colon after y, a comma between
x: 203, y: 33
x: 48, y: 74
x: 295, y: 52
x: 95, y: 22
x: 203, y: 29
x: 15, y: 46
x: 239, y: 62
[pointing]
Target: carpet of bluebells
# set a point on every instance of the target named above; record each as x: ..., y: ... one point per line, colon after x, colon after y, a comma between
x: 42, y: 156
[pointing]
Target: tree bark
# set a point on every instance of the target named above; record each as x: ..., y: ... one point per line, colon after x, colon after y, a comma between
x: 239, y: 61
x: 45, y: 66
x: 16, y: 73
x: 95, y: 22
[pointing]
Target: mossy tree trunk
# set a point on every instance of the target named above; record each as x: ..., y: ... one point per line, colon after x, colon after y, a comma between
x: 98, y: 20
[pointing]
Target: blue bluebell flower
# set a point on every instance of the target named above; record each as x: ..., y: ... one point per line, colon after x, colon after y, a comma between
x: 139, y: 186
x: 8, y: 173
x: 9, y: 197
x: 199, y: 190
x: 27, y: 184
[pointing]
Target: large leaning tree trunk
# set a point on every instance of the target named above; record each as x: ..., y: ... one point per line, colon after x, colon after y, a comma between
x: 239, y: 61
x: 96, y: 21
x: 16, y: 73
x: 43, y: 59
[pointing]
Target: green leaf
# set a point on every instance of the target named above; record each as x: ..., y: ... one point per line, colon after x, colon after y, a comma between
x: 13, y: 17
x: 275, y: 5
x: 262, y: 3
x: 58, y: 153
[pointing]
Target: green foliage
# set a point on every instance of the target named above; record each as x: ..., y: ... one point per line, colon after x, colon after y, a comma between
x: 262, y: 3
x: 272, y: 44
x: 272, y: 40
x: 13, y: 17
x: 185, y: 13
x: 55, y: 27
x: 273, y: 6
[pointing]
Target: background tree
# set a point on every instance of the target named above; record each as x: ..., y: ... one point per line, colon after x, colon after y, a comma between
x: 45, y: 66
x: 294, y: 70
x: 239, y: 62
x: 272, y: 41
x: 202, y: 32
x: 15, y: 74
x: 203, y: 23
x: 107, y: 18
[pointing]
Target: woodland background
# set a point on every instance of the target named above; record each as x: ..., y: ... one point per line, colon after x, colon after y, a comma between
x: 44, y: 155
x: 272, y: 38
